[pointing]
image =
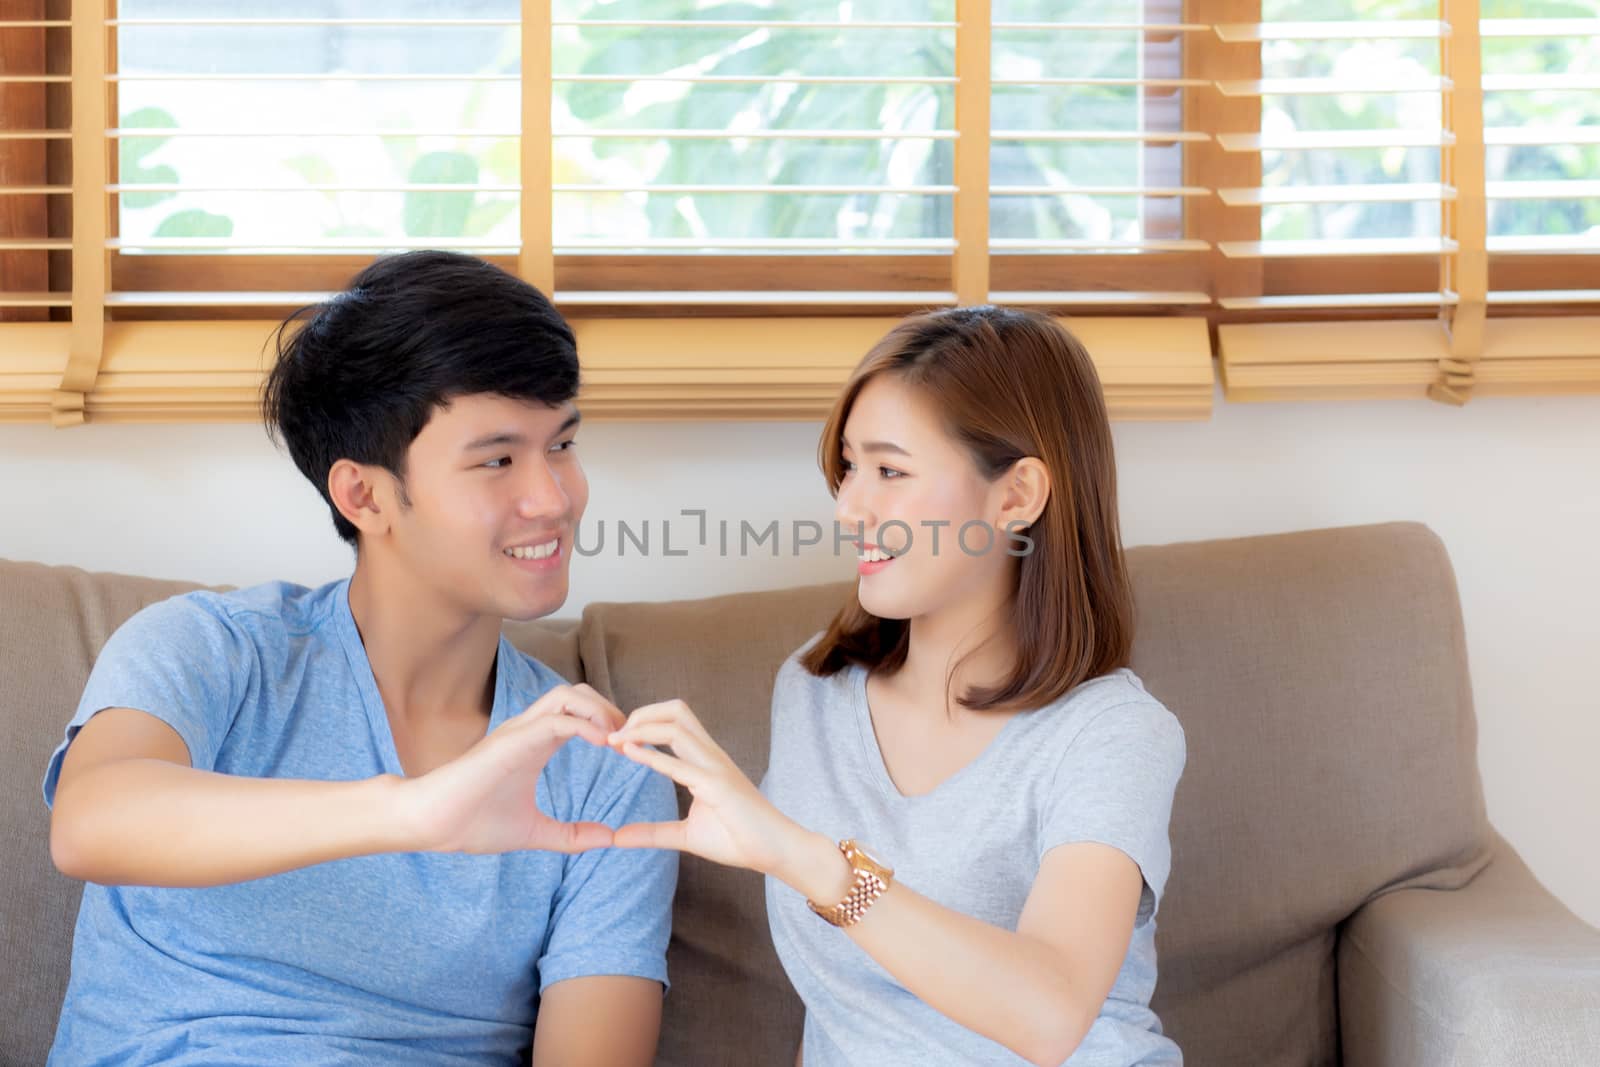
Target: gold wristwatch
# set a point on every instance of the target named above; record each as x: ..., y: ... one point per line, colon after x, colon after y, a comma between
x: 872, y: 878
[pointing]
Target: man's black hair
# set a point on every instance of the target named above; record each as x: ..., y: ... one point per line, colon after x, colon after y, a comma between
x: 364, y: 372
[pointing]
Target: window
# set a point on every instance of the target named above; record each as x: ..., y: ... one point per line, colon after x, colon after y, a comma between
x: 733, y: 198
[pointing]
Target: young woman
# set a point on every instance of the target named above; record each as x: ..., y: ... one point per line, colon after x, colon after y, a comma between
x: 970, y: 713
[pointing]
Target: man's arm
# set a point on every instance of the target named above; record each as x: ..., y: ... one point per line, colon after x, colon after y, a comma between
x: 130, y: 809
x: 598, y: 1021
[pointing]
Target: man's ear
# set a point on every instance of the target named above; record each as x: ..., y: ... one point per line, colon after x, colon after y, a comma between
x: 365, y: 495
x: 1026, y: 492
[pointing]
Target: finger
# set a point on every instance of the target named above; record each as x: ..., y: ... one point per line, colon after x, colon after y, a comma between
x: 687, y: 775
x: 564, y: 727
x: 576, y: 837
x: 706, y: 751
x: 661, y: 711
x: 580, y: 701
x: 651, y: 835
x: 683, y: 744
x: 672, y: 711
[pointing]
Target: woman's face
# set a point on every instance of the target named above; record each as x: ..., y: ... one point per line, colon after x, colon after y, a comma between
x: 930, y: 522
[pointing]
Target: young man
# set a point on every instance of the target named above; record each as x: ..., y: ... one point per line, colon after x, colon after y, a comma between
x: 353, y: 824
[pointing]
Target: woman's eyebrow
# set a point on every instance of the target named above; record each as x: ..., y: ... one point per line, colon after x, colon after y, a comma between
x: 877, y: 446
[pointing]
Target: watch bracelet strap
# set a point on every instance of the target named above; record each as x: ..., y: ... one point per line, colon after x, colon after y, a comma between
x: 868, y: 887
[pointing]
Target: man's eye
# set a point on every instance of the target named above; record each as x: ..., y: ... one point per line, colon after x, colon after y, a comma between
x: 498, y: 464
x: 564, y: 446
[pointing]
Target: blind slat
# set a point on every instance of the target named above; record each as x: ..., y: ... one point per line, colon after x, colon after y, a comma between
x: 1337, y: 194
x: 1087, y: 244
x: 1535, y: 135
x: 310, y: 187
x: 754, y: 297
x: 35, y: 300
x: 1152, y: 191
x: 757, y: 135
x: 35, y: 244
x: 1103, y: 27
x: 1534, y: 243
x: 1333, y: 139
x: 1336, y: 301
x: 749, y: 79
x: 768, y: 190
x: 1326, y: 86
x: 1139, y: 136
x: 1111, y: 83
x: 1374, y: 30
x: 1552, y: 27
x: 1350, y: 246
x: 1528, y: 83
x: 1544, y: 296
x: 747, y: 24
x: 335, y: 76
x: 1095, y: 298
x: 257, y: 23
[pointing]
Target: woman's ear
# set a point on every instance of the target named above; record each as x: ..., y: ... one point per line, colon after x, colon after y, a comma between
x: 1026, y: 492
x: 360, y: 492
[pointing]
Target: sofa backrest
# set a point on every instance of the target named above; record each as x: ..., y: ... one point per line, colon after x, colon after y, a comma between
x: 53, y: 621
x: 1321, y: 679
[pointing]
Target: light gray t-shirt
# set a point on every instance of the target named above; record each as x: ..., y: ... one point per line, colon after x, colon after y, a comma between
x: 1100, y: 765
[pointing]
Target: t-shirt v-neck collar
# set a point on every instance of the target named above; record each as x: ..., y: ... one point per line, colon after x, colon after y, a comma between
x: 878, y: 767
x: 372, y: 698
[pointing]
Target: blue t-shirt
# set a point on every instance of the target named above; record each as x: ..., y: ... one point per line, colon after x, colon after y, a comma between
x: 423, y: 958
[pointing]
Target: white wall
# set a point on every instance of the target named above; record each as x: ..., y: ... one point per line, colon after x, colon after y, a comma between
x: 1513, y: 487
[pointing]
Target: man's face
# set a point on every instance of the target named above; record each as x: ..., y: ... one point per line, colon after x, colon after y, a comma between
x: 496, y: 492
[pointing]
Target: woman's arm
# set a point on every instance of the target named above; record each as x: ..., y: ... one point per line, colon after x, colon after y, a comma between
x: 1036, y: 990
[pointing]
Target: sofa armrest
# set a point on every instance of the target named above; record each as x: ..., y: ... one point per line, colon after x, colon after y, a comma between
x: 1496, y: 973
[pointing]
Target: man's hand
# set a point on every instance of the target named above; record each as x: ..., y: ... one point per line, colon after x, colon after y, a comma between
x: 484, y: 801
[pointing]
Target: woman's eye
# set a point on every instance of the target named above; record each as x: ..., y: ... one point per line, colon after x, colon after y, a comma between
x: 846, y: 466
x: 890, y: 472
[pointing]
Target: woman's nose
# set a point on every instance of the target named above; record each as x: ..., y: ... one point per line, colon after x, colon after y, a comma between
x: 851, y: 508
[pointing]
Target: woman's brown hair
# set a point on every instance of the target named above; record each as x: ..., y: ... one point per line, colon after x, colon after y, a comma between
x: 1009, y: 384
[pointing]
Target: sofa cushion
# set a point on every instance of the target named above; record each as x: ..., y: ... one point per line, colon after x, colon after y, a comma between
x: 1321, y: 679
x: 53, y: 621
x: 730, y: 1004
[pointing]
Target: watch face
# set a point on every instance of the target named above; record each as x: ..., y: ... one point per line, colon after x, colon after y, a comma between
x: 869, y: 855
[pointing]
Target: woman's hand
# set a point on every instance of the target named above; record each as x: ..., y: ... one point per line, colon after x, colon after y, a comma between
x: 729, y: 821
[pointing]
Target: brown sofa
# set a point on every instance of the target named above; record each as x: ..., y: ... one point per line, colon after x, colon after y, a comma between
x: 1337, y: 895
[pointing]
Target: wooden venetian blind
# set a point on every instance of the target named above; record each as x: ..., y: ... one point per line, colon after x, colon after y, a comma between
x: 732, y: 200
x: 1391, y: 285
